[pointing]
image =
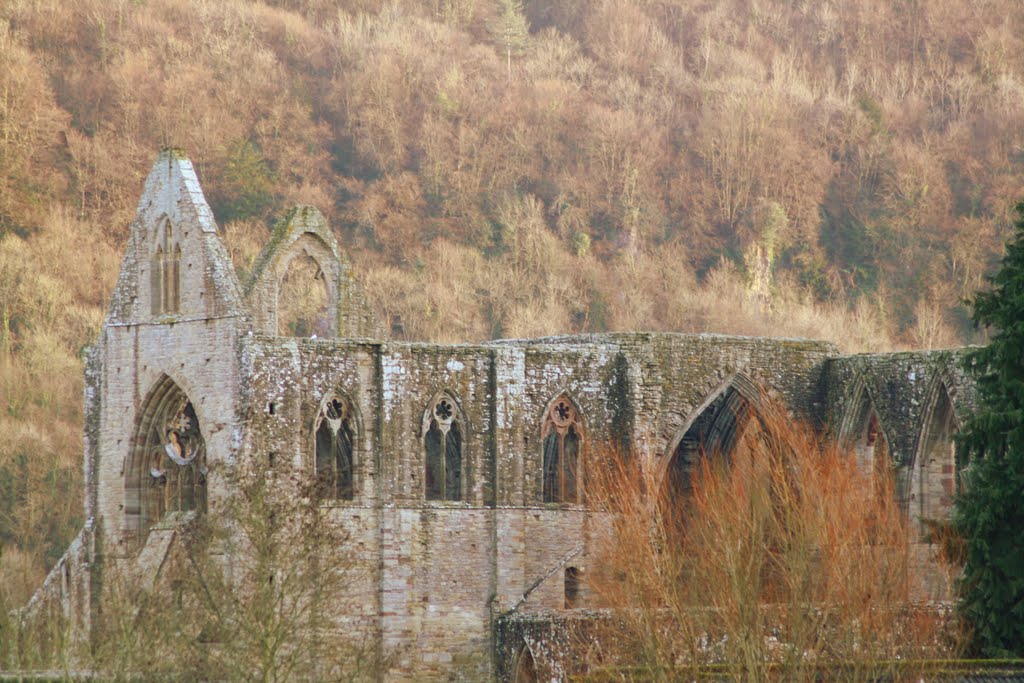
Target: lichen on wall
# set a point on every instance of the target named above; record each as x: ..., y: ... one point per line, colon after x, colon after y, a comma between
x: 447, y: 587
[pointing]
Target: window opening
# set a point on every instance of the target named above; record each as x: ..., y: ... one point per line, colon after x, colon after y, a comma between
x: 936, y: 476
x: 872, y: 450
x: 168, y: 471
x: 443, y: 446
x: 165, y: 274
x: 572, y: 587
x: 335, y: 439
x: 302, y: 300
x: 562, y: 437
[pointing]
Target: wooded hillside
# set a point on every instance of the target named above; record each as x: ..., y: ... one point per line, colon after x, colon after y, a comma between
x: 824, y: 168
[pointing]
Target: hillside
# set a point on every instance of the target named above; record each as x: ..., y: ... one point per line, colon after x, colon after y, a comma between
x: 843, y: 170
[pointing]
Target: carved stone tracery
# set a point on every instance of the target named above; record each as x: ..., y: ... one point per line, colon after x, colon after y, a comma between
x: 562, y: 436
x: 442, y: 444
x: 168, y: 471
x: 335, y: 432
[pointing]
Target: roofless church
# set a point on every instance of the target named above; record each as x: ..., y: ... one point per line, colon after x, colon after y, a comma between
x: 456, y: 470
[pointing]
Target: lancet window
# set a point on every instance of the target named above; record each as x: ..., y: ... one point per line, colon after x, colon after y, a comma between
x: 935, y: 474
x: 442, y: 443
x: 335, y: 444
x: 303, y: 308
x: 562, y: 436
x: 165, y: 272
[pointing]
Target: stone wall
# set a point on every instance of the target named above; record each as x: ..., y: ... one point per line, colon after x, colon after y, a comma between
x: 920, y: 399
x: 444, y: 569
x: 303, y: 232
x: 433, y: 575
x: 901, y: 387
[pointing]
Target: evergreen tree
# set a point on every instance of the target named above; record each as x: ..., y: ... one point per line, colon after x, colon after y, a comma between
x: 510, y: 30
x: 989, y: 512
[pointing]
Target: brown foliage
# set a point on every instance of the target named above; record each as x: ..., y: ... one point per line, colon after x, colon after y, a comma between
x: 783, y: 562
x: 616, y: 181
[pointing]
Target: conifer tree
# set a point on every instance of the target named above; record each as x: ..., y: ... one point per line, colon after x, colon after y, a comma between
x: 510, y: 30
x: 989, y: 512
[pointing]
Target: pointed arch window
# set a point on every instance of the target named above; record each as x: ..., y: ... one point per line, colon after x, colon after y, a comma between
x: 562, y: 436
x: 304, y: 299
x: 935, y: 474
x: 863, y: 434
x: 335, y: 448
x: 442, y: 443
x: 165, y: 272
x: 717, y: 431
x: 872, y: 447
x: 865, y: 437
x: 167, y: 471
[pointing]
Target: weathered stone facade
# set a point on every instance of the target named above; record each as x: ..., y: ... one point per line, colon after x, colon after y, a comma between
x: 189, y: 364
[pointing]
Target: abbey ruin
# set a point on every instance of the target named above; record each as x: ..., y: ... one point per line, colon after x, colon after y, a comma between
x: 456, y: 468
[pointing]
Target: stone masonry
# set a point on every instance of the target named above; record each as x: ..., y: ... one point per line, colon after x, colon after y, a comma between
x: 189, y: 361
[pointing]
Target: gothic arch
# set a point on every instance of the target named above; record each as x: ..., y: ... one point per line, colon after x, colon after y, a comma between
x: 443, y: 436
x: 563, y: 435
x: 310, y: 293
x: 525, y: 667
x: 933, y: 470
x: 941, y: 387
x: 715, y: 427
x: 336, y: 434
x: 863, y: 431
x: 860, y: 399
x: 166, y: 469
x: 165, y: 268
x: 301, y: 241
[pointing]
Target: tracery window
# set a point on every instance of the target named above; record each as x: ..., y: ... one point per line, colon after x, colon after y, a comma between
x: 562, y: 435
x: 165, y: 272
x: 335, y: 441
x: 168, y: 470
x: 442, y: 443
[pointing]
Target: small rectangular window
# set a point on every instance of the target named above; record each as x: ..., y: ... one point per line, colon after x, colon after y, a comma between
x: 572, y: 587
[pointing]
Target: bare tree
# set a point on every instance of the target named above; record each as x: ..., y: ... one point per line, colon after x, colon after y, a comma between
x: 783, y: 562
x: 267, y: 590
